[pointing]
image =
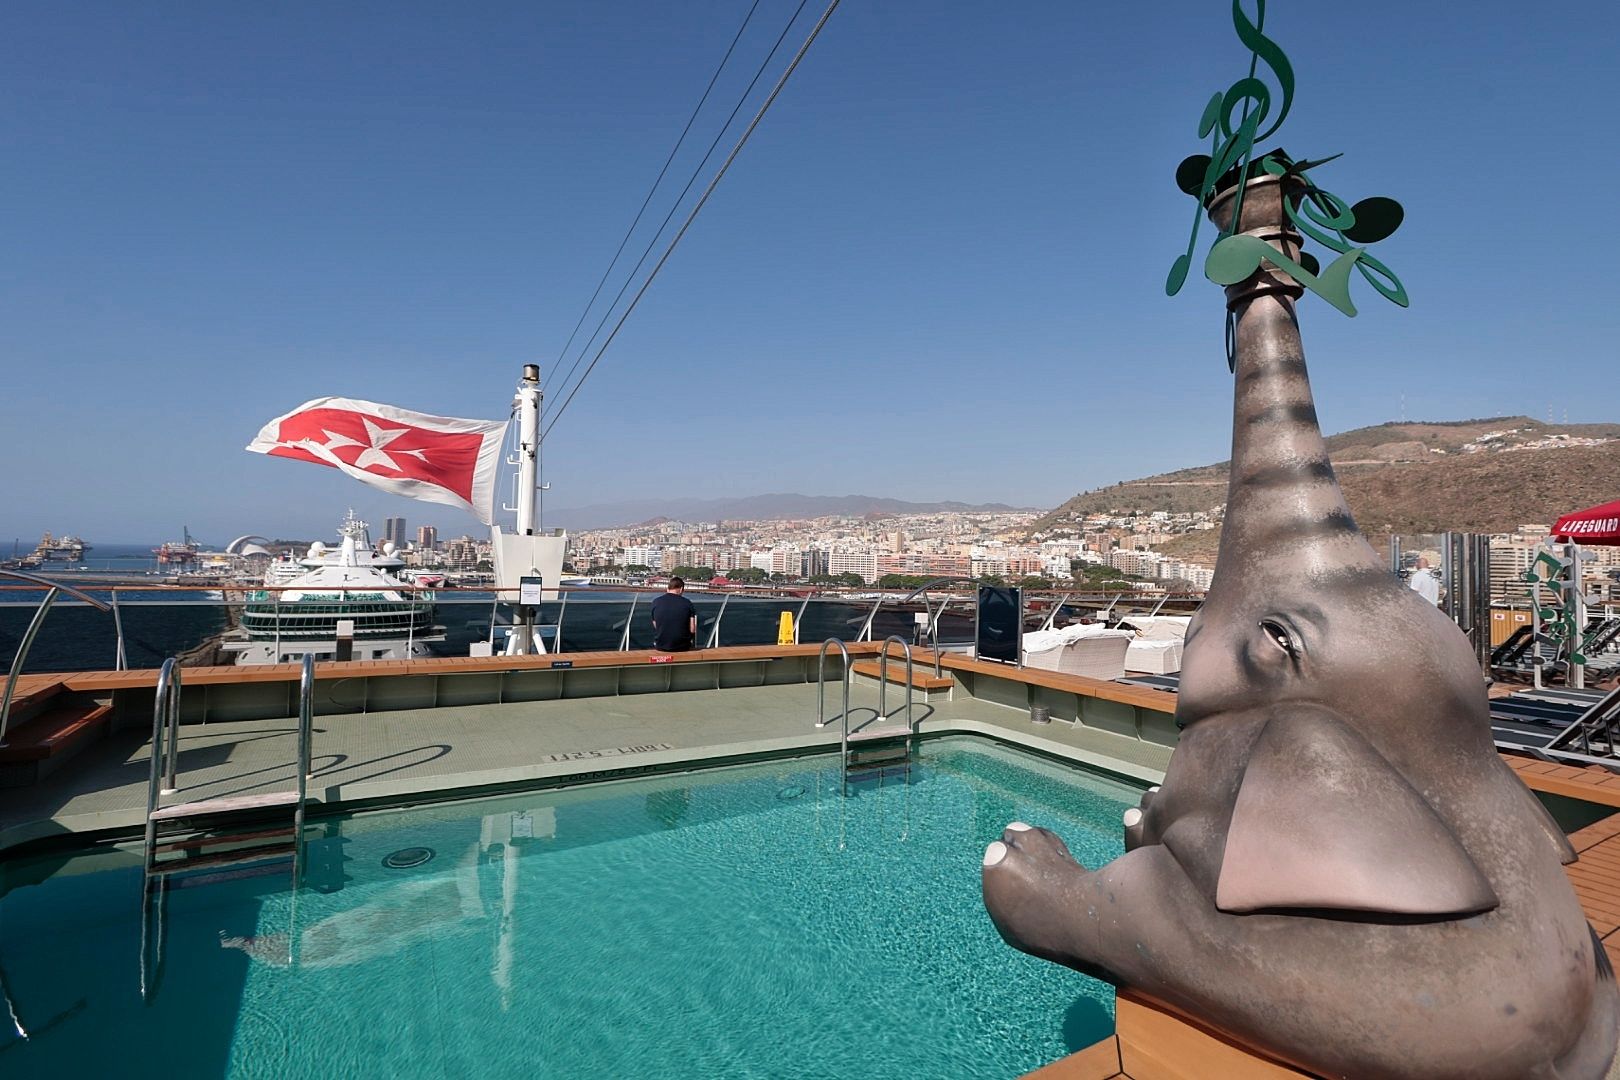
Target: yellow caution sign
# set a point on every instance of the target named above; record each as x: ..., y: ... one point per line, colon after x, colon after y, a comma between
x: 785, y: 634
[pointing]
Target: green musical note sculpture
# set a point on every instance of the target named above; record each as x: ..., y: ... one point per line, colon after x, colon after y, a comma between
x: 1316, y: 213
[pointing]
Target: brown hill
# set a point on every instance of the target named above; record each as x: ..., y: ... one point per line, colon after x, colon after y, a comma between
x: 1409, y: 478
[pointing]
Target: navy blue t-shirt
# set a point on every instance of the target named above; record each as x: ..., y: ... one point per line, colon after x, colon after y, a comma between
x: 672, y: 622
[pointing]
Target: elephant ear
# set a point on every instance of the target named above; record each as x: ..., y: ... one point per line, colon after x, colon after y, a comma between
x: 1324, y: 822
x: 1566, y: 851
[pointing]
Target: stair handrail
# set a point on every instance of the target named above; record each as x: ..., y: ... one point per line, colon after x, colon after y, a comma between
x: 821, y: 691
x: 306, y: 730
x: 164, y: 703
x: 933, y: 623
x: 883, y: 678
x: 53, y: 589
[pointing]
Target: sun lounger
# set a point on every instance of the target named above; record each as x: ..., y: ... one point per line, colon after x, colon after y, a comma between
x: 1092, y: 651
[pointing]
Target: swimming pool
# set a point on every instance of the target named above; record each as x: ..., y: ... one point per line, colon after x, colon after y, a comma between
x: 746, y: 921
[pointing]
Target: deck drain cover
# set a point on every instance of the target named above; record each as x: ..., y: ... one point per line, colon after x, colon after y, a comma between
x: 792, y: 792
x: 405, y: 858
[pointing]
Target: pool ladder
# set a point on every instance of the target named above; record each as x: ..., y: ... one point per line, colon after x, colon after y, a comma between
x: 881, y: 742
x: 211, y: 842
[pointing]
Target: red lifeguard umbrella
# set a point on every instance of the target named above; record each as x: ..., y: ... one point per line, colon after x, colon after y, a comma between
x: 1597, y: 525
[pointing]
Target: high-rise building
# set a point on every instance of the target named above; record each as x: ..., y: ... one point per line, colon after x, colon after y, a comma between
x: 394, y: 531
x: 427, y: 538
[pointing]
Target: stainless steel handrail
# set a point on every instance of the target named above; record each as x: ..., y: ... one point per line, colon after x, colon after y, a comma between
x: 866, y: 627
x: 798, y: 619
x: 562, y: 609
x: 714, y: 631
x: 173, y: 705
x: 120, y: 658
x: 306, y: 722
x: 1051, y: 616
x: 883, y: 678
x: 629, y: 621
x: 167, y: 691
x: 53, y: 589
x: 821, y: 691
x: 927, y: 587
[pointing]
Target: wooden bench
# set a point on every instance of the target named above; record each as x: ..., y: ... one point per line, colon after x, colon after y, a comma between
x: 922, y: 676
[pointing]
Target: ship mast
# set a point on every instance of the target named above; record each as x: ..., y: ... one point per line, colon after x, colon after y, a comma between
x: 522, y: 639
x: 528, y: 456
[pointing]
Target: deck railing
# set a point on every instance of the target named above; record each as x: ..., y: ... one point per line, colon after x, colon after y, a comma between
x: 155, y: 622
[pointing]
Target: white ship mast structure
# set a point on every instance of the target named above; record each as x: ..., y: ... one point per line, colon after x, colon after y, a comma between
x: 528, y: 562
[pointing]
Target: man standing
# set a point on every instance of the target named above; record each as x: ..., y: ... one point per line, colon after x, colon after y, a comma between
x: 1424, y: 583
x: 674, y: 619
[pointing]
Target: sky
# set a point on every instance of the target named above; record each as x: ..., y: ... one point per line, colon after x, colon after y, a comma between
x: 935, y: 272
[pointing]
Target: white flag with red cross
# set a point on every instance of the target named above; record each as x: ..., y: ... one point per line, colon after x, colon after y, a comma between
x: 439, y: 459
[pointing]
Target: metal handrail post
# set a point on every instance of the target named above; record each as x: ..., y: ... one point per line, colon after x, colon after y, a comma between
x: 562, y: 609
x: 629, y: 621
x: 494, y: 608
x: 173, y: 710
x: 883, y: 677
x: 714, y: 631
x: 1020, y: 629
x: 275, y: 607
x: 120, y: 660
x: 976, y: 627
x: 866, y: 627
x: 410, y: 630
x: 934, y: 634
x: 159, y: 715
x: 1051, y: 616
x: 53, y: 588
x: 306, y: 725
x: 798, y: 618
x: 22, y: 654
x: 1160, y: 604
x: 821, y: 686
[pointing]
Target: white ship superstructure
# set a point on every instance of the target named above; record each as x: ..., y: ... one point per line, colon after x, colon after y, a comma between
x: 349, y: 598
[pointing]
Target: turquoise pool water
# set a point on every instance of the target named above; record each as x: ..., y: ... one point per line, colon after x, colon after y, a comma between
x: 746, y: 921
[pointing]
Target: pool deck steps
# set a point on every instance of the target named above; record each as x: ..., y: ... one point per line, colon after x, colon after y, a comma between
x: 44, y: 741
x: 229, y: 804
x: 887, y: 731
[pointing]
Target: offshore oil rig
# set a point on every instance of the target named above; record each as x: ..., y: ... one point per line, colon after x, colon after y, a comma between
x: 177, y: 553
x: 60, y: 549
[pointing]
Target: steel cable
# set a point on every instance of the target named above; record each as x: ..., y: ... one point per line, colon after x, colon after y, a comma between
x: 650, y: 192
x: 781, y: 82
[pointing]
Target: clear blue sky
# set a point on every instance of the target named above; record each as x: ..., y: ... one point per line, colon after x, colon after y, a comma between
x: 935, y: 272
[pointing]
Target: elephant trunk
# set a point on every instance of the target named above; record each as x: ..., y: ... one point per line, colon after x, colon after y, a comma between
x: 1283, y: 499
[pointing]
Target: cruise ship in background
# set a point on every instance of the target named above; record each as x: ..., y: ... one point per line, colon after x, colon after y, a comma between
x: 297, y: 614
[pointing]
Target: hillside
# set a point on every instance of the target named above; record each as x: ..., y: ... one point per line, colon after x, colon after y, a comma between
x: 1475, y: 475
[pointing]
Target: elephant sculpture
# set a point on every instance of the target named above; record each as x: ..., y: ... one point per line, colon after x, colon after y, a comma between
x: 1338, y: 869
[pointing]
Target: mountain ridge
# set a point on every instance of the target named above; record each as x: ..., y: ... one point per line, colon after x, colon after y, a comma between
x: 775, y: 506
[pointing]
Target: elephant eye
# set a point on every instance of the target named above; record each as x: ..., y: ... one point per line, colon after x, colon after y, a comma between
x: 1279, y: 636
